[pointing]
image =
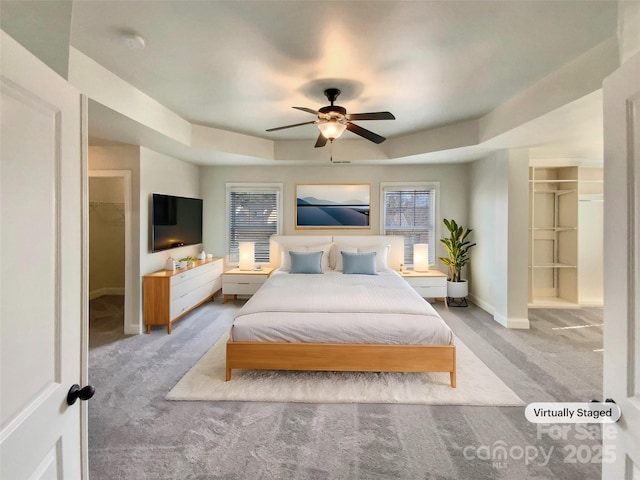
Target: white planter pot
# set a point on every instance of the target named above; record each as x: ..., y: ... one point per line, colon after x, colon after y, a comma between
x: 457, y: 289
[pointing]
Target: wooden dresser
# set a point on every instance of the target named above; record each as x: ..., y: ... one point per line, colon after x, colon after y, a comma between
x: 169, y: 295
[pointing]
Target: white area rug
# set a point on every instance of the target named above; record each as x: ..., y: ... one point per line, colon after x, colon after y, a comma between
x: 476, y: 384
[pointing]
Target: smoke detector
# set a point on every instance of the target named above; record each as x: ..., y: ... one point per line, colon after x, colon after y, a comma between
x: 133, y: 41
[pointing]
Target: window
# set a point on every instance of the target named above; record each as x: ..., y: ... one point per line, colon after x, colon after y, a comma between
x: 253, y: 216
x: 409, y: 209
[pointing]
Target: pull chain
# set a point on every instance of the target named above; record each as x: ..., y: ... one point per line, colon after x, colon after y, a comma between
x: 331, y: 150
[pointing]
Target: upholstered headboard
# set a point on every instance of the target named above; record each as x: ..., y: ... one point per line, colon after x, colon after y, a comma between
x: 394, y: 259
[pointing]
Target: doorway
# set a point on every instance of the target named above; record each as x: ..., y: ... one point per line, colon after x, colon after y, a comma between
x: 110, y: 280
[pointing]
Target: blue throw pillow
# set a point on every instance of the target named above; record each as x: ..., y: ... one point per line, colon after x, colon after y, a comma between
x: 359, y: 263
x: 309, y: 262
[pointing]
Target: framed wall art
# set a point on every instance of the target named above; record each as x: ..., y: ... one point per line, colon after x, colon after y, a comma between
x: 333, y: 205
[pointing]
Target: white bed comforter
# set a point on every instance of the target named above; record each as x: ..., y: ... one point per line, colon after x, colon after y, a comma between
x: 338, y: 308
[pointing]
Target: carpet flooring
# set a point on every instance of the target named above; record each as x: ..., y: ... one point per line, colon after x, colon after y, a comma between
x: 134, y: 433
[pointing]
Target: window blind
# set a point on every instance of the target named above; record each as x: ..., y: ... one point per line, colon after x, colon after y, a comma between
x: 253, y: 217
x: 411, y: 212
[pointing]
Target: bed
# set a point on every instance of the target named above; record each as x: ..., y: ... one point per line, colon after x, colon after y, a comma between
x: 334, y: 321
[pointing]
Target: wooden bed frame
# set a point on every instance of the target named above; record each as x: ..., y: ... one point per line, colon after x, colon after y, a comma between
x: 341, y: 357
x: 337, y: 356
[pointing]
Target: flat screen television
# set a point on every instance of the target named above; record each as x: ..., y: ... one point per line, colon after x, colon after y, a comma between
x: 177, y: 222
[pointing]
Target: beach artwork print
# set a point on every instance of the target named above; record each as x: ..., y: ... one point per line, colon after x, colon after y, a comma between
x: 332, y: 206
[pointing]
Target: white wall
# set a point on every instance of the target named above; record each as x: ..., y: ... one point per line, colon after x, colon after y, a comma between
x: 151, y: 172
x: 628, y: 29
x: 163, y: 174
x: 498, y: 215
x: 590, y: 252
x: 126, y: 157
x: 453, y: 178
x: 482, y: 189
x: 590, y: 237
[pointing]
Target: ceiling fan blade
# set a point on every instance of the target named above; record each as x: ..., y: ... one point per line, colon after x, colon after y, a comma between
x: 363, y: 132
x: 321, y: 142
x: 308, y: 110
x: 371, y: 116
x: 290, y: 126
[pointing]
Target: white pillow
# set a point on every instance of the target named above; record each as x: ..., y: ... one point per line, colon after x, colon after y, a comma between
x: 285, y: 258
x: 336, y: 255
x: 382, y: 251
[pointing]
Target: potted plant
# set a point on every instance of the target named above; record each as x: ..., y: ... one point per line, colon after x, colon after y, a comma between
x: 458, y: 247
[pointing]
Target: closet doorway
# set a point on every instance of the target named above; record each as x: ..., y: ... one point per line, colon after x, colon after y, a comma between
x: 110, y: 246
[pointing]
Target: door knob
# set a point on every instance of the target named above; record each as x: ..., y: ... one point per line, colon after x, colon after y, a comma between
x: 84, y: 393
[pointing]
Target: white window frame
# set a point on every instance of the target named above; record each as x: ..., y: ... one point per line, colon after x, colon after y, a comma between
x: 398, y: 186
x: 249, y: 187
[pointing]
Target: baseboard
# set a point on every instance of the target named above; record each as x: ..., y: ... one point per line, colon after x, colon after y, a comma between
x: 517, y: 323
x: 101, y: 292
x: 487, y: 307
x: 135, y: 329
x: 592, y: 303
x: 521, y: 323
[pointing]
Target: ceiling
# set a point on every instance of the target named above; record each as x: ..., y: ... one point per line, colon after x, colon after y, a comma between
x: 240, y: 66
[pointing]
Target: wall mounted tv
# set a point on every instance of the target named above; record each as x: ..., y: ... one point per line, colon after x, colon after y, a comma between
x: 177, y: 222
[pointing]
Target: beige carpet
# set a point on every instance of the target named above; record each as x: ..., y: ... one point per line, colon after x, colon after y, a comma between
x: 477, y: 384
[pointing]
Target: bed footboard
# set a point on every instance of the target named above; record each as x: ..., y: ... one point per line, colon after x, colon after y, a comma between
x: 341, y: 357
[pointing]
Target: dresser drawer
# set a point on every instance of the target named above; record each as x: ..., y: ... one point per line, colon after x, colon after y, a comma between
x: 244, y: 279
x: 184, y: 303
x: 427, y: 281
x: 192, y: 273
x: 431, y: 292
x: 186, y: 286
x: 240, y: 288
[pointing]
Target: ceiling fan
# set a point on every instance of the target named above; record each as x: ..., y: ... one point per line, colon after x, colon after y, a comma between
x: 333, y: 120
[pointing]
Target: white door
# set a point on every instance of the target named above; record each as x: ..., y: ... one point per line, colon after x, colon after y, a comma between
x: 622, y: 265
x: 41, y: 266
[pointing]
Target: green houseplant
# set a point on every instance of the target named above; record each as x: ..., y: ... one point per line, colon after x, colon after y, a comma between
x: 458, y: 246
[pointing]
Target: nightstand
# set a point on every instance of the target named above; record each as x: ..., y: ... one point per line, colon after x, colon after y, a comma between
x: 431, y: 284
x: 243, y: 282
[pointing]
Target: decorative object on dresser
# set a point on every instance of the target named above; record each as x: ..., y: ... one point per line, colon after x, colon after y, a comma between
x: 431, y: 284
x: 243, y: 282
x: 170, y: 294
x: 458, y: 247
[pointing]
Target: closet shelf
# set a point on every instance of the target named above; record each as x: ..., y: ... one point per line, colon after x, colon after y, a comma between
x: 554, y: 265
x: 553, y: 229
x: 557, y: 192
x: 571, y: 180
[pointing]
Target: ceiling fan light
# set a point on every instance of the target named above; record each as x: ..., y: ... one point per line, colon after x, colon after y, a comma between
x: 331, y: 129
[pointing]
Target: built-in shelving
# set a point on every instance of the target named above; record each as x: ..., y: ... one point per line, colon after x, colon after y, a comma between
x: 565, y: 236
x: 553, y: 223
